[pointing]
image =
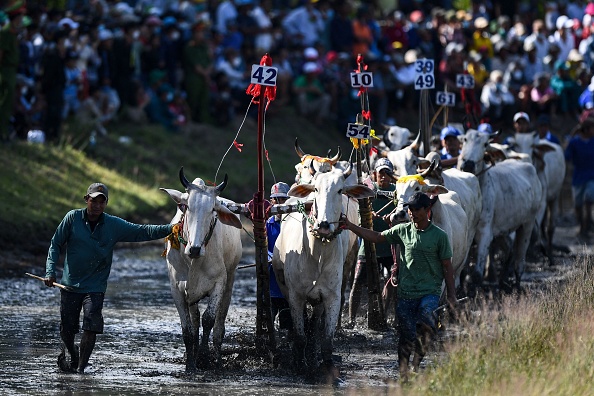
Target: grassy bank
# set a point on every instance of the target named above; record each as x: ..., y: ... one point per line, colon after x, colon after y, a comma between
x: 542, y: 344
x: 40, y: 183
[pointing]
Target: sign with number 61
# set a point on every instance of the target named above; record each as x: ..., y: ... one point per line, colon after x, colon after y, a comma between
x: 445, y: 99
x: 358, y: 131
x: 264, y: 75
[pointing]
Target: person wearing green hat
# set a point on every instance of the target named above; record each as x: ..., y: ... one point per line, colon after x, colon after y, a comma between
x: 9, y: 61
x: 566, y: 88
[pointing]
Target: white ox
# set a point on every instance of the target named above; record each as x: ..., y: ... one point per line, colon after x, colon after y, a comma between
x: 204, y: 266
x: 309, y: 257
x: 309, y: 166
x: 511, y: 194
x: 549, y: 161
x: 446, y: 213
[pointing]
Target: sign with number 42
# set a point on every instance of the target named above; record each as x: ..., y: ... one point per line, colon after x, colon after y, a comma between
x: 358, y: 131
x: 264, y: 75
x: 445, y: 99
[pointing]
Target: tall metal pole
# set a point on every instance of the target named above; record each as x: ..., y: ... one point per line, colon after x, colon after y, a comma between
x: 264, y: 324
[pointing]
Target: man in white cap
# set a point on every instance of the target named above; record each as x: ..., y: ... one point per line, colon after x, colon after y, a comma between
x: 521, y: 122
x: 278, y: 304
x: 312, y: 98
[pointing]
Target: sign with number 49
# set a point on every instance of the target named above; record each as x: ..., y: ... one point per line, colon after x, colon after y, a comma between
x: 264, y: 75
x: 424, y: 74
x: 445, y: 99
x: 358, y: 131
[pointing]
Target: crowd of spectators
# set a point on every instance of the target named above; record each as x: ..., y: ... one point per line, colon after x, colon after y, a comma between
x: 172, y: 62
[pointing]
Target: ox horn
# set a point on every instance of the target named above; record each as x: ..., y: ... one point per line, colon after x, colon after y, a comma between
x: 336, y: 158
x: 430, y: 169
x: 300, y: 152
x: 416, y: 144
x: 182, y: 178
x: 223, y: 184
x: 348, y: 170
x: 494, y: 134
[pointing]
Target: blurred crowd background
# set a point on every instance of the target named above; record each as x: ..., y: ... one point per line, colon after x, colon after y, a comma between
x: 95, y: 62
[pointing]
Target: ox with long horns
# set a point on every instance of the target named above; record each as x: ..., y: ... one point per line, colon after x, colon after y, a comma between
x: 309, y: 257
x: 202, y: 260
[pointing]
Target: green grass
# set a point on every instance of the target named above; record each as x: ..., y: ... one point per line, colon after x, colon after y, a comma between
x: 540, y: 344
x: 40, y: 183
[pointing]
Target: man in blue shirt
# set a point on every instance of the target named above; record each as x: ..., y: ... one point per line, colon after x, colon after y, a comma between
x: 543, y: 126
x: 278, y: 304
x: 87, y: 237
x: 580, y: 152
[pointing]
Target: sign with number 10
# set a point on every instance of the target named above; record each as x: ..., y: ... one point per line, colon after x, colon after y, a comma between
x: 363, y: 79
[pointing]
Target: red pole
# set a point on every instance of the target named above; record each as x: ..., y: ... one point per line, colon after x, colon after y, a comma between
x: 264, y: 325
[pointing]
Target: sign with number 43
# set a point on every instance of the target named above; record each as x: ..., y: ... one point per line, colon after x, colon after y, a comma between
x: 358, y: 131
x: 264, y: 75
x: 445, y: 99
x: 464, y: 81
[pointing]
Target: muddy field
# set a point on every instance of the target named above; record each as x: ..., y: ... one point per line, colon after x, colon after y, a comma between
x: 142, y: 351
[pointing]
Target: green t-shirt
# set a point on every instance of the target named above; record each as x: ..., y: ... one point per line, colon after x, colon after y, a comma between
x: 381, y: 249
x: 421, y: 253
x: 9, y: 45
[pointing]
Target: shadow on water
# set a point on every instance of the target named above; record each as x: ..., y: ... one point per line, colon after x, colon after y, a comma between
x: 141, y: 350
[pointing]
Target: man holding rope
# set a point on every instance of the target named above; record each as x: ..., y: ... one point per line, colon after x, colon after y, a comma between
x: 87, y: 237
x: 426, y: 260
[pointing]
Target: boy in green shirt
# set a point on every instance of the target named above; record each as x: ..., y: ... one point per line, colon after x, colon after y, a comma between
x: 426, y: 261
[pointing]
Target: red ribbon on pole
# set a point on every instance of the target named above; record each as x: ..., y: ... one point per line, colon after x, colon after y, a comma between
x: 254, y: 89
x: 238, y: 146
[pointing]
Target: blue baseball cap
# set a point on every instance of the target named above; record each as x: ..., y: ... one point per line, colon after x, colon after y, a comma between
x: 449, y: 131
x: 485, y: 128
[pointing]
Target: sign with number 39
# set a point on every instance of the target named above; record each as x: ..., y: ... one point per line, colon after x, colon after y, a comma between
x: 264, y: 75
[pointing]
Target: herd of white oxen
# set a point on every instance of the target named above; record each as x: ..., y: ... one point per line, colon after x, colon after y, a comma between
x: 496, y: 193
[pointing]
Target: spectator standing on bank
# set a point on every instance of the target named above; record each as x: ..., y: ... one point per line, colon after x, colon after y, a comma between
x: 53, y: 81
x: 197, y: 64
x: 9, y: 62
x: 304, y: 26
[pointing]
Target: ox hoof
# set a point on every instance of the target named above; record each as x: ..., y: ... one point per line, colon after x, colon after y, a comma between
x: 330, y: 373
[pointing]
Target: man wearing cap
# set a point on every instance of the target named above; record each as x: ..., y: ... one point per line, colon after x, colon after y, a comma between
x: 278, y: 304
x: 87, y: 238
x: 426, y: 261
x: 382, y: 205
x: 543, y: 127
x: 521, y: 122
x: 450, y: 146
x: 580, y: 152
x: 9, y: 62
x: 312, y: 98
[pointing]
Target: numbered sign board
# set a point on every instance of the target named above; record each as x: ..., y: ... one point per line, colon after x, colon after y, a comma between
x: 464, y: 81
x: 445, y: 99
x: 363, y: 79
x: 358, y: 131
x: 264, y: 75
x: 424, y: 74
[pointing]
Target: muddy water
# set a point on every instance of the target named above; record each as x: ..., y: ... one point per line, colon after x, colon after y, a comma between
x: 141, y: 351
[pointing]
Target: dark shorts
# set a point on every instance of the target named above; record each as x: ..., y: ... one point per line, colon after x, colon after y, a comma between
x: 92, y: 306
x: 410, y: 312
x: 583, y: 194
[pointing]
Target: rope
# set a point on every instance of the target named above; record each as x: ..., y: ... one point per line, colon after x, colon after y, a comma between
x: 234, y: 140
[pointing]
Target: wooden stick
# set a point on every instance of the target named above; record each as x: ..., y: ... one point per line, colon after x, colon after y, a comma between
x: 43, y: 280
x: 246, y: 266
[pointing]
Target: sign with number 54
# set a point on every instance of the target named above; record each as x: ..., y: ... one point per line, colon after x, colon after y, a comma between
x: 358, y: 131
x: 264, y: 75
x: 445, y: 99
